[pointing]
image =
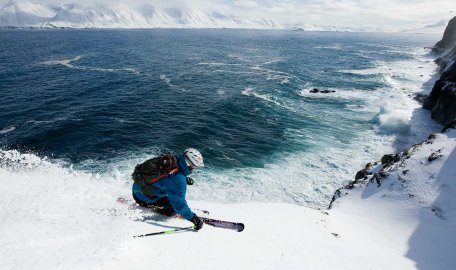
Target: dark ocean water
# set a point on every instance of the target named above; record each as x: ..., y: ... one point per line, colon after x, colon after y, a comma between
x: 94, y: 97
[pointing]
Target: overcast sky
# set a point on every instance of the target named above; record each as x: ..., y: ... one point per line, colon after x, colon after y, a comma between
x: 377, y: 14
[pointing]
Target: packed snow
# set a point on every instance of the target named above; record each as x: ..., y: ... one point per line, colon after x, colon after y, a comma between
x: 64, y: 219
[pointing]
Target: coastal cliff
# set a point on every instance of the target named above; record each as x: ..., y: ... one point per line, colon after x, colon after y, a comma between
x: 442, y: 102
x: 442, y: 99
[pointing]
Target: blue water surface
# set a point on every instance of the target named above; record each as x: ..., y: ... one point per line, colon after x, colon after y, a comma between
x: 83, y: 95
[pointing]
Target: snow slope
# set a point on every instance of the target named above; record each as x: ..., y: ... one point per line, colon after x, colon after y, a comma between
x: 52, y: 217
x: 24, y: 13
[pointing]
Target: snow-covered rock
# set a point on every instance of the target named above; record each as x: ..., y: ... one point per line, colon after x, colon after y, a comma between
x: 410, y: 202
x: 24, y: 14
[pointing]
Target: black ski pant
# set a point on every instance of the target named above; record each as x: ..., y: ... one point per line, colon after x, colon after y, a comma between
x: 161, y: 206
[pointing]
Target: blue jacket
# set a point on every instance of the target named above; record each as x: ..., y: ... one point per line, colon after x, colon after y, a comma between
x: 173, y: 186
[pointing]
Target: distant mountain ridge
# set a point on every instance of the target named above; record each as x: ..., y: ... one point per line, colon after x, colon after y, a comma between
x: 26, y: 14
x: 29, y: 14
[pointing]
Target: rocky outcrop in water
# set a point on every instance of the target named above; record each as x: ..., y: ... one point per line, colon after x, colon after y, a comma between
x: 442, y: 100
x: 316, y: 90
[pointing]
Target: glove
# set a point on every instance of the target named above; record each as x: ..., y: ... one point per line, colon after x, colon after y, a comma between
x: 190, y: 181
x: 197, y: 221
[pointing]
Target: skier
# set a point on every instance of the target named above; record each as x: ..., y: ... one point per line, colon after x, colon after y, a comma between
x: 166, y: 193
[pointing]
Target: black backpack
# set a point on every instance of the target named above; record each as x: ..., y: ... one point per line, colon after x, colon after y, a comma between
x: 154, y: 169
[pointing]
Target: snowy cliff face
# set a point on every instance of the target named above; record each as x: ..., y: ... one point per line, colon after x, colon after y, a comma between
x: 442, y: 100
x: 409, y: 200
x: 24, y: 14
x: 411, y: 170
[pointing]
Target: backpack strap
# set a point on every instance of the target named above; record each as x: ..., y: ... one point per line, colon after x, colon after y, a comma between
x: 150, y: 182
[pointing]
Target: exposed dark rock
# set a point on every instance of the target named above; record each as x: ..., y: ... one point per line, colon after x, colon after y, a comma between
x: 420, y: 98
x: 316, y: 90
x: 432, y: 137
x: 452, y: 124
x: 390, y: 159
x: 386, y: 159
x: 438, y: 212
x: 382, y: 174
x: 406, y: 153
x: 442, y: 102
x: 397, y: 158
x: 444, y: 111
x: 449, y: 73
x: 435, y: 155
x: 362, y: 174
x: 442, y: 99
x: 327, y: 91
x: 449, y: 36
x: 337, y: 195
x: 431, y: 100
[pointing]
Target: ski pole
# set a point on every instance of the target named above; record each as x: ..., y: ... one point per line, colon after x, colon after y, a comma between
x: 167, y: 231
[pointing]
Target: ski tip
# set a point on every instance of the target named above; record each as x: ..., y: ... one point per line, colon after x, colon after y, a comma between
x: 240, y: 227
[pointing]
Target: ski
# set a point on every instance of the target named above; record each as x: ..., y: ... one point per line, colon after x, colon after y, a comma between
x: 224, y: 224
x: 236, y: 226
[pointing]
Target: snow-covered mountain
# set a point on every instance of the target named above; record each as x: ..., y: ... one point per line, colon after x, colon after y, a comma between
x: 24, y: 14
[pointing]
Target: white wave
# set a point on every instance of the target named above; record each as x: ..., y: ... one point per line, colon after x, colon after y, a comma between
x: 132, y: 70
x: 238, y: 57
x: 7, y: 129
x: 232, y: 72
x: 63, y: 118
x: 256, y: 67
x: 397, y: 112
x: 272, y: 61
x: 221, y: 92
x: 216, y: 64
x: 338, y: 94
x: 282, y: 79
x: 329, y: 47
x: 391, y: 108
x: 63, y: 62
x: 303, y: 178
x: 394, y: 118
x: 271, y: 74
x: 406, y: 75
x: 249, y: 91
x: 68, y: 63
x: 165, y: 79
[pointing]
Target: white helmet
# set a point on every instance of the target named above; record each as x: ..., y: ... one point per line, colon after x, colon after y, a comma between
x: 193, y: 158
